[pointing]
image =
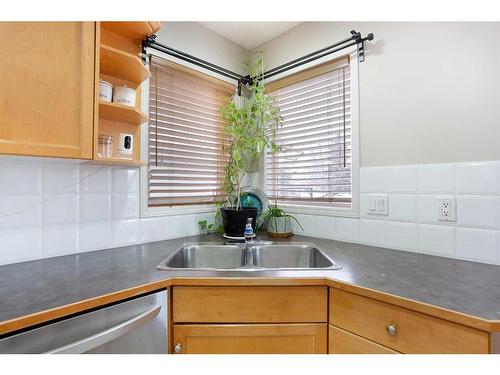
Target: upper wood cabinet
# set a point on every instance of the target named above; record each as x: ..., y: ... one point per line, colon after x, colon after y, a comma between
x: 47, y: 88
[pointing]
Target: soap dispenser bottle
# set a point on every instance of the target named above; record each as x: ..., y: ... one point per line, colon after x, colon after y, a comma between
x: 249, y: 235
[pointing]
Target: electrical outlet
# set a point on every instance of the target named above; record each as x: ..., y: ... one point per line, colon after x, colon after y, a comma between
x: 447, y: 210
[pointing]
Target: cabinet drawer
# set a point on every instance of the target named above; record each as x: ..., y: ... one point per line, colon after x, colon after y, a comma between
x: 250, y: 339
x: 282, y: 304
x: 414, y: 332
x: 343, y: 342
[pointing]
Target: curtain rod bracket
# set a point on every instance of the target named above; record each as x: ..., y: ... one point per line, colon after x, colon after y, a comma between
x: 147, y: 42
x: 360, y: 43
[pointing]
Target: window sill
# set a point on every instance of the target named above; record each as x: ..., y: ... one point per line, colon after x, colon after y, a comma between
x: 176, y: 210
x: 338, y: 211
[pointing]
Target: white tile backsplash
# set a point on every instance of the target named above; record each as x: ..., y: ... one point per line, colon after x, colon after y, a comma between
x: 307, y: 223
x: 20, y: 211
x: 477, y: 244
x: 347, y: 229
x: 50, y: 208
x: 19, y: 177
x: 124, y: 180
x: 373, y: 232
x: 403, y: 207
x: 477, y: 178
x: 153, y: 229
x: 19, y: 245
x: 436, y: 240
x: 95, y: 179
x: 478, y: 211
x: 324, y: 226
x: 402, y: 179
x: 95, y: 207
x: 59, y: 240
x: 124, y: 206
x: 402, y: 236
x: 61, y: 178
x: 94, y: 236
x: 436, y: 179
x: 124, y: 232
x: 60, y: 209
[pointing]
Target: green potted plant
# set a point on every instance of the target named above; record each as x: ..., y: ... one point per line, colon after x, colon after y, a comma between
x: 251, y: 127
x: 277, y: 222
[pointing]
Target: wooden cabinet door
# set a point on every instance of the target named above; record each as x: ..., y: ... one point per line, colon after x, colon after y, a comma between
x: 250, y: 339
x: 343, y: 342
x: 47, y: 88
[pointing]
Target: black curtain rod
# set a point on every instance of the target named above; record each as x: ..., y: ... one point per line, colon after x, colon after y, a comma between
x: 150, y: 42
x: 355, y: 39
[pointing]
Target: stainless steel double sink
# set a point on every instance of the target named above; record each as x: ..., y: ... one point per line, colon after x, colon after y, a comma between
x: 251, y: 257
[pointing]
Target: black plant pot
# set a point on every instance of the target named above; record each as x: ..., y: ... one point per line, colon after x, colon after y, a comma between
x: 234, y: 220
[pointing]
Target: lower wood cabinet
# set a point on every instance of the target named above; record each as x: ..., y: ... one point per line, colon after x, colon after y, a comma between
x: 250, y: 339
x: 308, y: 319
x: 401, y: 329
x: 343, y: 342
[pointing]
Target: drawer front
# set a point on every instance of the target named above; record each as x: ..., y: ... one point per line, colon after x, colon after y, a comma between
x: 412, y: 332
x: 250, y: 339
x: 294, y: 304
x: 343, y: 342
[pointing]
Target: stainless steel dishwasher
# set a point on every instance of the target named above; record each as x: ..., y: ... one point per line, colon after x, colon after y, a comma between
x: 138, y: 325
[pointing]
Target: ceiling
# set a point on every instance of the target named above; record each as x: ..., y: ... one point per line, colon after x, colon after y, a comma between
x: 249, y: 34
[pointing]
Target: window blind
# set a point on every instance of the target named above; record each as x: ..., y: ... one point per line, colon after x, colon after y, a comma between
x: 187, y: 145
x: 314, y: 164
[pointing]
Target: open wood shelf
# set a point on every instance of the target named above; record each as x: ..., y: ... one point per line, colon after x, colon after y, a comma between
x: 135, y: 30
x: 121, y: 113
x: 123, y: 65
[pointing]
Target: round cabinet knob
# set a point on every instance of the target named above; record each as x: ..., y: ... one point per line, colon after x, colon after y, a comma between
x: 392, y: 329
x: 178, y: 348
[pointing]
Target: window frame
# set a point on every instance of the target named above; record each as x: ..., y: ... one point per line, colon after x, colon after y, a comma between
x: 333, y: 209
x: 154, y: 211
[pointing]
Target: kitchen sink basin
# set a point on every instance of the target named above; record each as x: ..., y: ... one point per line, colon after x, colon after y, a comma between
x: 206, y: 257
x: 290, y: 256
x: 251, y: 257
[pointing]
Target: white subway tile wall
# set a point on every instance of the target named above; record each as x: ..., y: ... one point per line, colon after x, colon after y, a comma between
x: 413, y: 222
x: 57, y: 207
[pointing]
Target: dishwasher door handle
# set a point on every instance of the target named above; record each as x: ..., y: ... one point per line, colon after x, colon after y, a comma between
x: 101, y: 338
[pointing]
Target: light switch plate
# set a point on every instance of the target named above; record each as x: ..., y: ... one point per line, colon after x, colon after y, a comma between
x: 378, y: 204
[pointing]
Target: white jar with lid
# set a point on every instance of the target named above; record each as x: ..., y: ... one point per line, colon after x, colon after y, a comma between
x: 124, y: 95
x: 105, y: 91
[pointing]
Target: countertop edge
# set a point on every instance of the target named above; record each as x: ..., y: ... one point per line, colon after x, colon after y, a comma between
x: 26, y: 321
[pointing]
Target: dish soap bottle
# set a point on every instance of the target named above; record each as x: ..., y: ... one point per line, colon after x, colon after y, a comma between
x: 249, y: 235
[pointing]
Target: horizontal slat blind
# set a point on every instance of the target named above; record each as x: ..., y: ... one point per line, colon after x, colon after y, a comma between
x: 314, y: 164
x: 186, y: 139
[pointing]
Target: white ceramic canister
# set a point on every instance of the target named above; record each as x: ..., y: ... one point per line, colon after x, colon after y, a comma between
x: 124, y: 95
x: 105, y: 91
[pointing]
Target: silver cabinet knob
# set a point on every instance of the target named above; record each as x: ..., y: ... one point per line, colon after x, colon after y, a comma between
x: 392, y: 329
x: 178, y: 348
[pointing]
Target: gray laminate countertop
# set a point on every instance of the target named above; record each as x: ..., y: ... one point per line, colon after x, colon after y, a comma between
x: 466, y: 287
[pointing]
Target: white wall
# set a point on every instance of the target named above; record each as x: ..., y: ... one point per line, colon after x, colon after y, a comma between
x: 429, y: 92
x: 197, y: 40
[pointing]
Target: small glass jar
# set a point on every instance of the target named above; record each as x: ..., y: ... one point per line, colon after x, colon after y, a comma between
x: 105, y: 146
